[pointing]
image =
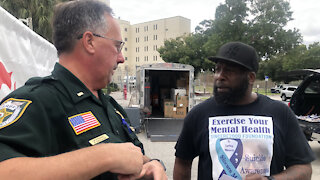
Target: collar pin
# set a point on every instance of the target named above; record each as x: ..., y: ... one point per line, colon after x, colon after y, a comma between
x: 80, y: 94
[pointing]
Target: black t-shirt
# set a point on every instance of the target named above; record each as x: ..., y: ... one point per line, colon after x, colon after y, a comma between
x: 289, y: 148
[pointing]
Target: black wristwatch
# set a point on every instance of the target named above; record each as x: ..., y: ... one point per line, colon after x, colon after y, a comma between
x: 270, y: 177
x: 164, y: 167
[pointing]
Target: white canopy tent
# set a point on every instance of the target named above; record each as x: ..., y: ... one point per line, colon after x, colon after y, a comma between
x: 23, y: 54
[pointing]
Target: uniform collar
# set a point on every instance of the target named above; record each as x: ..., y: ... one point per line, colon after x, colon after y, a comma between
x: 73, y: 86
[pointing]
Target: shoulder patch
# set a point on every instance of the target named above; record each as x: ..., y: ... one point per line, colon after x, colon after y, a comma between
x: 11, y: 110
x: 83, y: 122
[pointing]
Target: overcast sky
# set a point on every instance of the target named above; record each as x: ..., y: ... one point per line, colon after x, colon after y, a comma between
x: 306, y: 13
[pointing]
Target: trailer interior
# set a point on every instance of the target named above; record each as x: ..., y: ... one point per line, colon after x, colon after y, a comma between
x: 158, y: 88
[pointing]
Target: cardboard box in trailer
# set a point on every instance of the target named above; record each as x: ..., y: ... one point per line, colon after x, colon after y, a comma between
x: 165, y: 94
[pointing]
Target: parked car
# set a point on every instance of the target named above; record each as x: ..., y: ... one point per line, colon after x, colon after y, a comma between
x: 287, y: 92
x: 305, y: 103
x: 276, y: 89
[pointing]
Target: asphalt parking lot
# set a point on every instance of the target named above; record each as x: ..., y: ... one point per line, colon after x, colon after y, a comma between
x: 165, y: 150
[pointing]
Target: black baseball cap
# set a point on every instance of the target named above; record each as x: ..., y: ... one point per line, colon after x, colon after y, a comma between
x: 239, y: 53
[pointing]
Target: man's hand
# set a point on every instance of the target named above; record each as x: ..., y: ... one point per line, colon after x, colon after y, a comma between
x: 255, y: 177
x: 152, y: 170
x: 299, y: 171
x: 127, y: 158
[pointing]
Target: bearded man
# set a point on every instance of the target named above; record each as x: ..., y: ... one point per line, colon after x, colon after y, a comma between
x: 239, y: 134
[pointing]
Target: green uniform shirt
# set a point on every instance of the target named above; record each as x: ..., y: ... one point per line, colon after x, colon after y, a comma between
x: 57, y: 114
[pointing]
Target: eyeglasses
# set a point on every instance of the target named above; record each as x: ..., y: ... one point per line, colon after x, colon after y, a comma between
x: 119, y: 45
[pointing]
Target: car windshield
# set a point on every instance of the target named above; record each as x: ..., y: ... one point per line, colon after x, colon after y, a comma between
x: 291, y: 88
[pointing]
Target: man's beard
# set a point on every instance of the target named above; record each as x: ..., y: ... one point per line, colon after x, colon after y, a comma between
x: 234, y: 95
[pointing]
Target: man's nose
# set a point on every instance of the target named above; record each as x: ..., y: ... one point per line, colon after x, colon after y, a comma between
x: 120, y: 58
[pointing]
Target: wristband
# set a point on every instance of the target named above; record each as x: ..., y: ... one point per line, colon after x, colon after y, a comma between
x: 164, y: 167
x: 270, y: 177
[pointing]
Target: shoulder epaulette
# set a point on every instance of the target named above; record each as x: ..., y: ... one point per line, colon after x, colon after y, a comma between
x: 39, y: 80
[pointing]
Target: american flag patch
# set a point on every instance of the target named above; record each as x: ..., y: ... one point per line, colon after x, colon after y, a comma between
x: 83, y: 122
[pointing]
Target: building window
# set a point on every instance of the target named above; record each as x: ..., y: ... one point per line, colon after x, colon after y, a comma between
x: 155, y: 37
x: 125, y: 39
x: 155, y: 26
x: 126, y: 58
x: 155, y: 58
x: 125, y: 49
x: 137, y: 59
x: 137, y: 30
x: 125, y: 29
x: 145, y: 28
x: 155, y: 47
x: 137, y: 49
x: 146, y: 58
x: 137, y: 39
x: 146, y: 38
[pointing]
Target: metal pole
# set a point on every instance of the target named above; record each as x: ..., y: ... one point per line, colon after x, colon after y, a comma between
x: 126, y: 68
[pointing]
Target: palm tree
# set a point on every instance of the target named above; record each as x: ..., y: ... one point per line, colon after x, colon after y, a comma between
x: 40, y: 11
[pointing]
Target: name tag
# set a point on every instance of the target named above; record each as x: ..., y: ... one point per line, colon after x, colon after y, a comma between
x: 98, y: 139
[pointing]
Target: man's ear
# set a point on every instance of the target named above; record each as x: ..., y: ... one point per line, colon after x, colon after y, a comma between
x: 88, y: 42
x: 251, y: 77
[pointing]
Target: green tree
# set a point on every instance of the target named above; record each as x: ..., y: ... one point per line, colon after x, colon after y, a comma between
x: 229, y: 25
x: 186, y: 50
x: 301, y: 57
x: 255, y: 22
x: 40, y: 11
x: 267, y: 32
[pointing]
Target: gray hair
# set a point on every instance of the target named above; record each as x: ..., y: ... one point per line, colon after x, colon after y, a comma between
x: 72, y: 19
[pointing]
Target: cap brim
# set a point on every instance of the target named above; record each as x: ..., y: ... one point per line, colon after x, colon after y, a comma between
x: 218, y: 59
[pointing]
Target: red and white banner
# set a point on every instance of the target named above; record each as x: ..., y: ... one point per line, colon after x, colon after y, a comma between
x: 23, y: 54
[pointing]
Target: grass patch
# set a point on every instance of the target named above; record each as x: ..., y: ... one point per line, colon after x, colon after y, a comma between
x: 202, y: 89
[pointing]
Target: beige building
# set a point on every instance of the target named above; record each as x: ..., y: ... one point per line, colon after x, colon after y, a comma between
x: 143, y: 39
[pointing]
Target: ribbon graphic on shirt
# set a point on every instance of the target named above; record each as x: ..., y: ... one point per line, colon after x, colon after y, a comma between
x: 229, y: 154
